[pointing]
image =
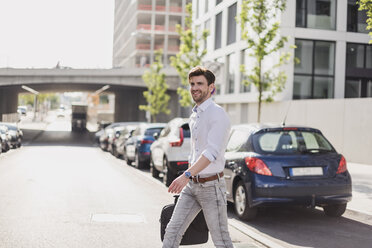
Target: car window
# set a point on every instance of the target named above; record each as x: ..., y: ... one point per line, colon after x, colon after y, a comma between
x: 186, y: 130
x: 291, y: 142
x: 151, y: 131
x: 237, y: 139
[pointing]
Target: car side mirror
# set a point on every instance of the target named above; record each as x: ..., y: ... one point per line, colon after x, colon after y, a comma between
x: 156, y: 136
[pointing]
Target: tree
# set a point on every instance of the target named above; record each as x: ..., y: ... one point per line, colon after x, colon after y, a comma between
x: 367, y: 5
x: 189, y: 56
x: 259, y: 27
x: 156, y: 96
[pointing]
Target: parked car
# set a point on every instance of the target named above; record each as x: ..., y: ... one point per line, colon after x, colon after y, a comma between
x: 118, y: 147
x: 137, y: 147
x: 107, y: 131
x: 170, y: 151
x: 5, y: 138
x: 22, y: 110
x: 112, y: 138
x: 270, y: 165
x: 15, y: 133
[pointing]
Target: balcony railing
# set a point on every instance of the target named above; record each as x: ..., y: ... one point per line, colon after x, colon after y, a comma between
x: 144, y: 7
x: 176, y: 9
x: 143, y: 46
x: 144, y: 26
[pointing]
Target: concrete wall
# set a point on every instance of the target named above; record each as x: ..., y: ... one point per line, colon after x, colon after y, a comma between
x: 346, y: 123
x: 8, y: 101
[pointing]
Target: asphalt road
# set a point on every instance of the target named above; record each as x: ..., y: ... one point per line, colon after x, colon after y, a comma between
x: 59, y: 190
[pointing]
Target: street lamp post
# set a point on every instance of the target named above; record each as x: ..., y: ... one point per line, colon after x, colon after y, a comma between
x: 35, y: 97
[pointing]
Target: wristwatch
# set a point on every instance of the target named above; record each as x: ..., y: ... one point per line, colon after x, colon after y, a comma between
x: 188, y: 174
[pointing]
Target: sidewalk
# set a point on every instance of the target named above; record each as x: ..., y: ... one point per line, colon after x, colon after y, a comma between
x: 361, y: 176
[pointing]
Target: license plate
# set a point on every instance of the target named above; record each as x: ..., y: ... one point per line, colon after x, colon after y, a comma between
x: 306, y: 171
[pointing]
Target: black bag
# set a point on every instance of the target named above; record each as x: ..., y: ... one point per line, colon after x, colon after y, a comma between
x: 196, y: 233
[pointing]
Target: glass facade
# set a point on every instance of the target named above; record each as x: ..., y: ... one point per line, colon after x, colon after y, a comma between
x: 232, y: 65
x: 314, y: 75
x: 244, y: 60
x: 319, y: 14
x: 218, y: 31
x: 356, y: 20
x: 358, y: 81
x: 231, y: 25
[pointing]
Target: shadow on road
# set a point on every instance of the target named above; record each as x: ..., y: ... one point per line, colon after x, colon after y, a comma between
x: 305, y: 227
x: 34, y: 137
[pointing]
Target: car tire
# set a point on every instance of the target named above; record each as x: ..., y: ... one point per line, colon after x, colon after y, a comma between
x: 129, y: 162
x: 154, y: 172
x: 241, y: 205
x: 335, y: 210
x: 139, y: 165
x: 168, y: 176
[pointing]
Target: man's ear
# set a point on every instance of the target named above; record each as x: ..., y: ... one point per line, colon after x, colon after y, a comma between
x: 213, y: 89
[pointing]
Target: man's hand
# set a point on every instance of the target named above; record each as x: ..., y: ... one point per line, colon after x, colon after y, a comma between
x: 178, y: 184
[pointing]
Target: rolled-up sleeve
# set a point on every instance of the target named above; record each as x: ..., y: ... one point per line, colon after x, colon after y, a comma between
x: 218, y: 134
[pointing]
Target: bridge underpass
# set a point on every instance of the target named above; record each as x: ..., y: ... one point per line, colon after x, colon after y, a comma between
x: 127, y: 85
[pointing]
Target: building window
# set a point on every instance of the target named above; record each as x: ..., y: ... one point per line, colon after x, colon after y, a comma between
x: 206, y: 5
x: 197, y: 9
x: 218, y: 30
x: 219, y: 72
x: 356, y: 20
x: 359, y: 56
x: 231, y: 25
x: 232, y: 65
x: 314, y: 75
x: 218, y: 2
x: 358, y: 81
x: 244, y: 59
x: 208, y: 42
x: 319, y: 14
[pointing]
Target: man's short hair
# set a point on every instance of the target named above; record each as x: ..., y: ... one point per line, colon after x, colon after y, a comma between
x: 201, y: 71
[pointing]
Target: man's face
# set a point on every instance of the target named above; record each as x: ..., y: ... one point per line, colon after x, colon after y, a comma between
x: 199, y: 89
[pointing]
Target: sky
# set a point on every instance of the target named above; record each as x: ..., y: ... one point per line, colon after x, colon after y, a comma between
x: 41, y: 33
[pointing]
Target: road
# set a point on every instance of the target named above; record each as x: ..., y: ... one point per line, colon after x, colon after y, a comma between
x: 60, y: 190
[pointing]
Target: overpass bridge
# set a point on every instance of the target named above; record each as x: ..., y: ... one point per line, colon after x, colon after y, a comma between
x: 125, y: 83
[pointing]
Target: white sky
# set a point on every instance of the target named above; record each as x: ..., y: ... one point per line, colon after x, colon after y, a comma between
x: 39, y: 33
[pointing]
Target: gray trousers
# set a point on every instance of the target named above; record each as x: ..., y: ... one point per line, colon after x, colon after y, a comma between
x: 209, y: 196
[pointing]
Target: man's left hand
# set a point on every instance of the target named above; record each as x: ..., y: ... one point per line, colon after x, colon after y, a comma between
x: 178, y: 184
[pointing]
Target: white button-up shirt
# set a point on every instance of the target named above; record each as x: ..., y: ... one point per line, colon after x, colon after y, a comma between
x: 210, y: 129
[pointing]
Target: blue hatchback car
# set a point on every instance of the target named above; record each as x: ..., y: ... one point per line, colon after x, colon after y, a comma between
x: 270, y: 165
x: 137, y: 146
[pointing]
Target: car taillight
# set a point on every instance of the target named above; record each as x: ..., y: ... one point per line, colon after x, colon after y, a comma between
x: 178, y: 142
x: 257, y: 166
x: 342, y: 165
x: 146, y: 141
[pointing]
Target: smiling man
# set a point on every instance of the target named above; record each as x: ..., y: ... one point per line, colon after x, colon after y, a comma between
x: 202, y: 185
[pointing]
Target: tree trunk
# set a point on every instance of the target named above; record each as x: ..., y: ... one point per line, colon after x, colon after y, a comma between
x: 259, y: 92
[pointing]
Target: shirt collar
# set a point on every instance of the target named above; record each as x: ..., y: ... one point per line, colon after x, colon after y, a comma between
x: 203, y: 106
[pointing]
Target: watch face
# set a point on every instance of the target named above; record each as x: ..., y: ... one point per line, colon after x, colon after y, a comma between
x: 187, y: 174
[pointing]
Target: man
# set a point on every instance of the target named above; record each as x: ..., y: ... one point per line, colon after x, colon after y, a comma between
x: 202, y: 185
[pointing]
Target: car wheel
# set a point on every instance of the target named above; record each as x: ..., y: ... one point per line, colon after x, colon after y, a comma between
x: 153, y: 170
x: 241, y: 205
x: 168, y: 176
x: 129, y: 162
x: 335, y: 210
x: 139, y: 164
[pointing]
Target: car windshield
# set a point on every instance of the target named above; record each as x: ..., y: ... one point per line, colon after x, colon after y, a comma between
x: 291, y: 142
x: 151, y: 131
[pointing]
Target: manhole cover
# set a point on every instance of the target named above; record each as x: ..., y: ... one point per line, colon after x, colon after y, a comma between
x: 123, y: 218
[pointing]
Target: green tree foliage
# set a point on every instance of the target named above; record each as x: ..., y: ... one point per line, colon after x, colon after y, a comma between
x: 260, y: 29
x: 189, y: 56
x: 367, y: 5
x: 28, y: 99
x: 156, y: 95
